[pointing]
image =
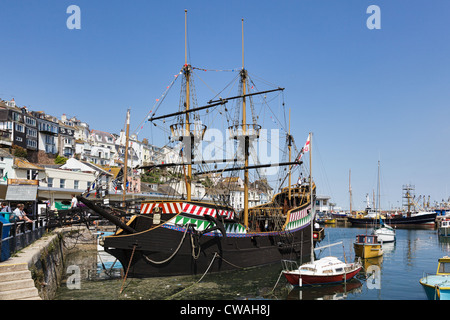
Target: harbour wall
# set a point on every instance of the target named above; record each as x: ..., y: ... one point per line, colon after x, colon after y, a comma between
x: 45, y: 257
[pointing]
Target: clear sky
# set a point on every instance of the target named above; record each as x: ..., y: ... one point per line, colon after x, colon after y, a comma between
x: 366, y: 94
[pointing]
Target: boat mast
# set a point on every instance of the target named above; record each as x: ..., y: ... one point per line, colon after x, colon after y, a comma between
x: 244, y: 131
x: 350, y: 188
x: 289, y: 147
x: 186, y: 69
x: 311, y: 197
x: 378, y: 190
x: 125, y: 167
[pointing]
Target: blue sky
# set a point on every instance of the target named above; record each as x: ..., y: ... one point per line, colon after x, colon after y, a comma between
x: 367, y: 95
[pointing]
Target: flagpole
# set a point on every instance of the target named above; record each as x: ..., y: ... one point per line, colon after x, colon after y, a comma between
x: 125, y: 167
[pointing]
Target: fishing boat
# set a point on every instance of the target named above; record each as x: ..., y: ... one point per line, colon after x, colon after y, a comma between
x: 444, y: 227
x: 367, y: 246
x: 403, y: 220
x: 437, y: 286
x: 187, y: 235
x: 413, y: 216
x: 327, y: 270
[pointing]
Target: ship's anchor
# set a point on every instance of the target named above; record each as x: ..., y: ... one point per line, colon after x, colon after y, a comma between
x: 196, y: 235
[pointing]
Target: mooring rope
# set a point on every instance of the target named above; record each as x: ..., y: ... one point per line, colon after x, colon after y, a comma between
x: 169, y: 258
x: 231, y: 264
x: 201, y: 278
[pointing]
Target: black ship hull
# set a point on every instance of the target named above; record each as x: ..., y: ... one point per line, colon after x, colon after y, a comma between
x: 172, y: 250
x: 179, y: 237
x: 418, y: 220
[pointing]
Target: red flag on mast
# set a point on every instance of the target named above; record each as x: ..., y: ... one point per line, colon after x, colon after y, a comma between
x: 305, y: 147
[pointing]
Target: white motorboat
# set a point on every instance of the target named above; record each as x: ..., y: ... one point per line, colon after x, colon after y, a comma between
x: 384, y: 232
x: 444, y: 227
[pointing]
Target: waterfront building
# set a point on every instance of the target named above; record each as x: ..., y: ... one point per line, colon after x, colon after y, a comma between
x: 102, y: 148
x: 48, y: 130
x: 59, y: 184
x: 66, y: 140
x: 323, y: 204
x: 133, y: 150
x: 102, y: 177
x: 17, y: 126
x: 82, y: 131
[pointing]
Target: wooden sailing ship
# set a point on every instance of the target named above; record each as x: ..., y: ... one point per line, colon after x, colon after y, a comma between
x: 183, y: 235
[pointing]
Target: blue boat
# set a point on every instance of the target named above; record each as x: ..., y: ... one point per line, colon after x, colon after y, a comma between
x: 437, y: 286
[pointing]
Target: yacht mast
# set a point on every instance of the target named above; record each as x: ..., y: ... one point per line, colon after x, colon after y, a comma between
x: 378, y: 208
x: 350, y: 188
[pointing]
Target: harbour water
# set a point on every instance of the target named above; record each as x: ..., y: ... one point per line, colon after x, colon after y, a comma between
x: 395, y: 276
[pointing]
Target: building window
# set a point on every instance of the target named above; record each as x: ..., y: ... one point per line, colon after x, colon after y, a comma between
x: 76, y: 184
x: 49, y: 140
x: 31, y: 132
x: 62, y: 183
x: 30, y: 121
x: 31, y: 143
x: 20, y: 128
x: 50, y: 182
x: 17, y: 117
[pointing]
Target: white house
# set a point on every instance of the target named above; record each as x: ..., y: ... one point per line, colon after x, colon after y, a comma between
x: 60, y: 184
x: 102, y: 177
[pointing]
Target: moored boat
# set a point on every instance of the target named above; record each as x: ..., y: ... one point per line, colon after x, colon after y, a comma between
x: 412, y: 219
x: 367, y: 246
x: 437, y: 286
x: 384, y: 232
x: 413, y: 216
x: 444, y: 227
x: 328, y: 270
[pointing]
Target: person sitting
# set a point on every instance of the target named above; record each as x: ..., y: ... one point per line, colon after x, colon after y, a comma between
x: 19, y: 214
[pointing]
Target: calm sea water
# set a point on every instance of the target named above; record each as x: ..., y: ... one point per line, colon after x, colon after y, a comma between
x: 404, y: 262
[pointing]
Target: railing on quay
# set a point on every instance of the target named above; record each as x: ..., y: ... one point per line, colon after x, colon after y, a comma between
x: 15, y: 236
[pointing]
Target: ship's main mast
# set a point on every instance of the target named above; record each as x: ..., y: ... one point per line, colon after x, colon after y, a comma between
x: 187, y: 69
x: 244, y: 132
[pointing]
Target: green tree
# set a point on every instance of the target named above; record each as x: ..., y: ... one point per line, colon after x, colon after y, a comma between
x: 60, y: 159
